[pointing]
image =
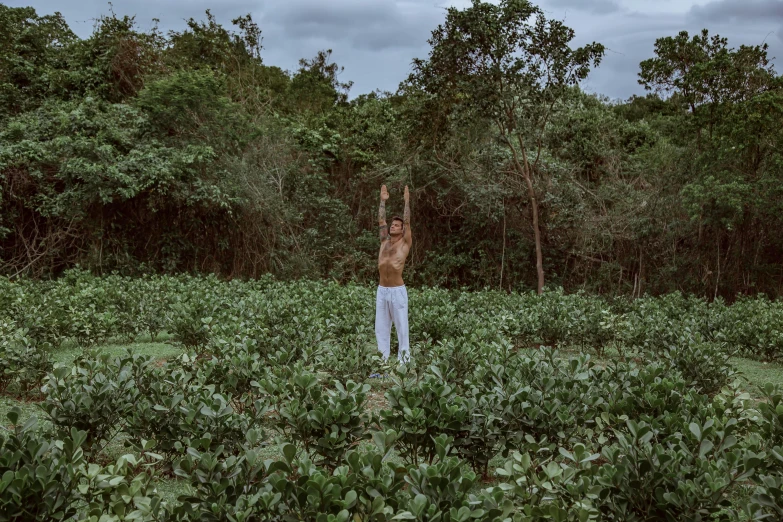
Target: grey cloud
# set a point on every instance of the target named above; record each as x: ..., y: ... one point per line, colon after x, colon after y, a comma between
x: 632, y: 39
x: 590, y: 6
x: 748, y: 12
x: 723, y: 11
x: 631, y: 42
x: 376, y: 25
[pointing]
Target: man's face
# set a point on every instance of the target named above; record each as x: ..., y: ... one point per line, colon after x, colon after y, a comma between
x: 396, y: 228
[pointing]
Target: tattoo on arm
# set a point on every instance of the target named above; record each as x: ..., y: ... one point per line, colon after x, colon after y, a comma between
x: 407, y: 214
x: 382, y: 229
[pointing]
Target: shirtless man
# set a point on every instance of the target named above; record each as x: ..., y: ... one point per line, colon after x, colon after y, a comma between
x: 391, y: 302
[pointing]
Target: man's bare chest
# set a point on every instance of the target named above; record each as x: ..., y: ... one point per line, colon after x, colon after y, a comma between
x: 391, y: 252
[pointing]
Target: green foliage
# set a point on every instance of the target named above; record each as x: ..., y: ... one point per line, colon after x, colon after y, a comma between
x: 771, y: 421
x: 177, y: 410
x: 95, y: 396
x: 543, y: 489
x: 705, y: 72
x: 328, y: 422
x: 496, y: 64
x: 45, y: 478
x: 139, y: 152
x: 350, y: 358
x: 316, y: 87
x: 225, y: 485
x: 39, y: 478
x: 420, y: 410
x: 705, y: 365
x: 32, y: 56
x: 258, y: 425
x: 695, y: 468
x: 176, y: 106
x: 23, y: 363
x: 114, y: 62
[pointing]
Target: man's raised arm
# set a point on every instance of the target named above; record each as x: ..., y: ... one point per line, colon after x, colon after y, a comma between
x: 406, y: 217
x: 383, y: 229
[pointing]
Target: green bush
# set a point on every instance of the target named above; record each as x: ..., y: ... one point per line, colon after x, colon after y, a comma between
x: 353, y: 358
x: 178, y: 413
x: 660, y: 432
x: 706, y: 365
x: 326, y: 422
x: 23, y: 364
x: 48, y: 478
x: 95, y: 395
x: 686, y: 476
x: 420, y: 410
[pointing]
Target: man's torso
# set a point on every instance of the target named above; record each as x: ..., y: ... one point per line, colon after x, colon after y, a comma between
x: 391, y: 261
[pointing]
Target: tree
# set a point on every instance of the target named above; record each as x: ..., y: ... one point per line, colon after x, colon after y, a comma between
x: 31, y: 56
x: 706, y: 74
x: 508, y: 64
x: 734, y: 95
x: 316, y: 87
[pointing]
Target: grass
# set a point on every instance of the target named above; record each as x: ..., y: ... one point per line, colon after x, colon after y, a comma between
x: 758, y: 374
x: 29, y: 409
x: 157, y: 350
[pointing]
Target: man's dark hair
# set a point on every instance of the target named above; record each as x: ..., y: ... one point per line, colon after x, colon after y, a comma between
x: 396, y: 218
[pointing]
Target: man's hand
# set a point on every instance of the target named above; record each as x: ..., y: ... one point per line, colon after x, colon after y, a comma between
x: 385, y: 193
x: 407, y: 194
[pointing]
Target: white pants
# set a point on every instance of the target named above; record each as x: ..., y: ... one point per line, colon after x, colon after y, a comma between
x: 391, y: 306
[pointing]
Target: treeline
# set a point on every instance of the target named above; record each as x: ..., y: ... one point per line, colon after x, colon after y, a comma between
x: 138, y: 152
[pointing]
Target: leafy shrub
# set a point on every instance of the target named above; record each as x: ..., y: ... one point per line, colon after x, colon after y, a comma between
x: 190, y: 325
x: 767, y: 499
x: 752, y: 326
x: 43, y: 478
x: 642, y: 392
x: 95, y: 395
x: 23, y: 364
x: 685, y: 476
x: 352, y: 358
x: 419, y: 411
x: 704, y: 364
x: 233, y: 375
x: 455, y: 362
x: 327, y: 422
x: 363, y: 487
x: 543, y: 396
x: 177, y: 413
x: 226, y: 486
x: 665, y: 436
x: 542, y: 488
x: 39, y: 477
x: 440, y: 490
x: 770, y: 425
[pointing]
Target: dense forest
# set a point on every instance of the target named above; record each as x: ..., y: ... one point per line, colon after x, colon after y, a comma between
x: 138, y: 152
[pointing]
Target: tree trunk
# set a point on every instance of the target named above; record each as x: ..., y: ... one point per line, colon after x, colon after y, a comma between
x: 526, y: 175
x: 536, y: 228
x: 536, y: 232
x: 503, y: 256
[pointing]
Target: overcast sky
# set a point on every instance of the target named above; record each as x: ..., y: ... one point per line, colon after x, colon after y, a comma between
x: 375, y: 40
